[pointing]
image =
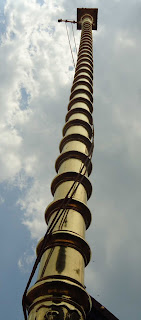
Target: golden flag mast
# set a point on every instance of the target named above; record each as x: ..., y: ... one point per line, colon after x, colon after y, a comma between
x: 59, y: 292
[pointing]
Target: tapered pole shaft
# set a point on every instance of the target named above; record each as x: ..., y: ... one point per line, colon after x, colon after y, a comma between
x: 59, y: 292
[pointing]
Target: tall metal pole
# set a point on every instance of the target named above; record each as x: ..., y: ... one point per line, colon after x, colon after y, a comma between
x: 59, y: 292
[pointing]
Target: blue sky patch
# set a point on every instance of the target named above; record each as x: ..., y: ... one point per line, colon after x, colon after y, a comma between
x: 71, y: 68
x: 2, y: 17
x: 24, y: 99
x: 41, y: 2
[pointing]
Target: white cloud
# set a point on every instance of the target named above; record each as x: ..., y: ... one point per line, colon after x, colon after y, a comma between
x: 26, y: 261
x: 34, y: 205
x: 29, y: 44
x: 124, y: 41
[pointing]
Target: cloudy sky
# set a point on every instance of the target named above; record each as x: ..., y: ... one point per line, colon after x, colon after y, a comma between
x: 36, y: 73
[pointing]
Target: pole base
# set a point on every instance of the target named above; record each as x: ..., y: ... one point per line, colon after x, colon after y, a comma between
x: 58, y: 300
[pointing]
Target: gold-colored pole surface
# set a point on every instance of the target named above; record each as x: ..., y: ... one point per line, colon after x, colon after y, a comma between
x: 59, y: 292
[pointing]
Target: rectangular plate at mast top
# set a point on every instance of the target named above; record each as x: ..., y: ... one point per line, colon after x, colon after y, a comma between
x: 90, y: 11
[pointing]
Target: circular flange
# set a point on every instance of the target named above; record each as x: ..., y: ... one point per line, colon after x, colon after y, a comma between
x: 77, y: 78
x: 86, y: 55
x: 77, y: 137
x: 80, y: 110
x: 88, y: 35
x: 82, y: 82
x: 73, y: 204
x: 78, y: 122
x: 85, y: 43
x: 85, y: 60
x: 81, y: 99
x: 66, y: 239
x: 83, y: 64
x: 86, y: 70
x: 85, y: 48
x: 59, y: 291
x: 72, y: 155
x: 72, y: 176
x: 77, y: 91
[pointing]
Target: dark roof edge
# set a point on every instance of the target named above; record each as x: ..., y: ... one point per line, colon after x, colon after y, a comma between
x: 103, y: 311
